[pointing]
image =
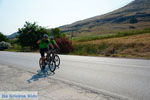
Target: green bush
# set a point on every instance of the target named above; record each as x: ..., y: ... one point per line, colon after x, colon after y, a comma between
x: 4, y: 45
x: 3, y: 37
x: 92, y: 49
x: 30, y: 34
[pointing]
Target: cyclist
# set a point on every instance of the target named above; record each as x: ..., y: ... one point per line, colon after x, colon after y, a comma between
x: 44, y: 45
x: 55, y: 45
x: 52, y: 40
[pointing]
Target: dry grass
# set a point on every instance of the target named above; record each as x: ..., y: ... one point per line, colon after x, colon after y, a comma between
x: 110, y: 28
x: 143, y: 38
x: 129, y: 46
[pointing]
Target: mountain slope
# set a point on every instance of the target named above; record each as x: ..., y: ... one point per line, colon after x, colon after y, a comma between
x: 135, y: 15
x: 13, y: 35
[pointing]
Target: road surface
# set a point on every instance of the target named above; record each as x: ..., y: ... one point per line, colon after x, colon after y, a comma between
x: 114, y: 78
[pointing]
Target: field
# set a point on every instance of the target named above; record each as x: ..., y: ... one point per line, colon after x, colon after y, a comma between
x: 112, y: 35
x: 133, y: 45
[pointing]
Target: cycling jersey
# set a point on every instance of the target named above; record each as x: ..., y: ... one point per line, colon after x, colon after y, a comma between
x: 44, y: 43
x: 53, y: 42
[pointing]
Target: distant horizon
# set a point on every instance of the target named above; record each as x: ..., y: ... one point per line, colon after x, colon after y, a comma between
x: 50, y: 13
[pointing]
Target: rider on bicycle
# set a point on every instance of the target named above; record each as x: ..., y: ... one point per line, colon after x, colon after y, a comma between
x: 44, y: 44
x: 55, y: 45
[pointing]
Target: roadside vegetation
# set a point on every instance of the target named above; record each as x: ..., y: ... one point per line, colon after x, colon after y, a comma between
x: 30, y: 33
x: 4, y: 42
x: 132, y: 44
x: 114, y: 35
x: 4, y: 45
x: 135, y: 46
x: 3, y: 37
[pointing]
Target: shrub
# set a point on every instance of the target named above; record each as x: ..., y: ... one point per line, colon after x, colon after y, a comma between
x: 56, y: 32
x: 4, y: 45
x: 29, y: 34
x: 3, y: 37
x: 65, y: 45
x: 89, y: 49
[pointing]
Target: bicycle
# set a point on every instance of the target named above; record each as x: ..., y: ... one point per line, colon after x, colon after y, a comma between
x: 56, y: 57
x: 49, y: 61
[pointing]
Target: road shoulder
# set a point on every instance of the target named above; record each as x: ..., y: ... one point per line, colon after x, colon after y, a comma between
x: 17, y: 79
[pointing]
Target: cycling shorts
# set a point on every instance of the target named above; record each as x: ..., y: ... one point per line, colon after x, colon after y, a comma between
x: 43, y: 51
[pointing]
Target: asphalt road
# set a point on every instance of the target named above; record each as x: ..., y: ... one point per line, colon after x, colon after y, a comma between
x: 124, y: 78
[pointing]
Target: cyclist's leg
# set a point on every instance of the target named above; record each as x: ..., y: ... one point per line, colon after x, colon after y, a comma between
x: 46, y: 51
x: 53, y: 54
x: 42, y: 52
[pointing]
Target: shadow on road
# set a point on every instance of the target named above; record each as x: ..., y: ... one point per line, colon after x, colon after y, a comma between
x: 40, y: 74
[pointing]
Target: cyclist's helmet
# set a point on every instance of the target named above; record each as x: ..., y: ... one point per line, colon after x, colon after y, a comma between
x: 45, y: 36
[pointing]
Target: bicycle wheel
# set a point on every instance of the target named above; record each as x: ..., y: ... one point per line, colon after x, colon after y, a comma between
x: 40, y: 63
x: 52, y: 66
x: 57, y: 60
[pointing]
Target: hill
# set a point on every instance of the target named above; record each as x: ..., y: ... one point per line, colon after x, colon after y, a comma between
x: 135, y: 15
x: 13, y: 35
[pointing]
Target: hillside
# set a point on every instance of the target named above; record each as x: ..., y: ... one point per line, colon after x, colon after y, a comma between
x: 136, y: 46
x: 13, y: 35
x: 135, y: 15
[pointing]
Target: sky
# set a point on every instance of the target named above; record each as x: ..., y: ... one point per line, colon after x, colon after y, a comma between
x: 51, y: 13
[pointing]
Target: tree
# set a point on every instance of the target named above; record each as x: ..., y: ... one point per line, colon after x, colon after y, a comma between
x: 29, y: 34
x: 3, y: 37
x: 56, y: 32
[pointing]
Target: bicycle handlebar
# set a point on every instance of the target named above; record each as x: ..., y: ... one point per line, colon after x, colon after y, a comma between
x: 54, y: 50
